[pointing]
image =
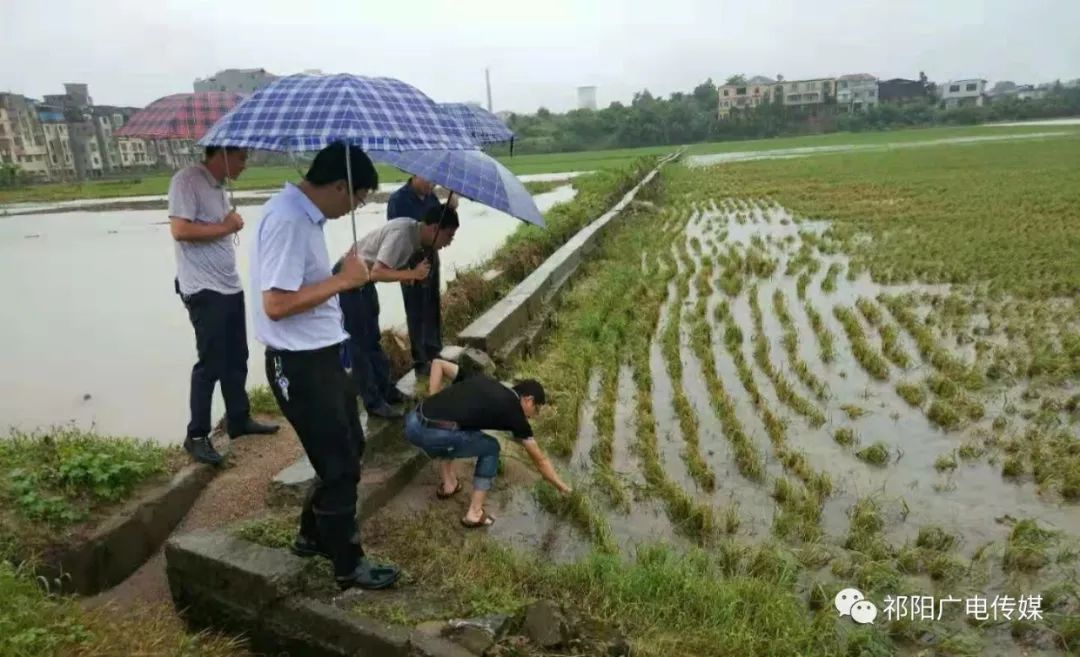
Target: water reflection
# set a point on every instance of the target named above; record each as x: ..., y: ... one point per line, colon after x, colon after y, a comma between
x: 94, y: 334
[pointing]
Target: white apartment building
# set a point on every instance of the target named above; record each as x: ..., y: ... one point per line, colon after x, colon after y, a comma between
x: 806, y: 93
x: 856, y: 92
x: 756, y: 91
x: 963, y: 93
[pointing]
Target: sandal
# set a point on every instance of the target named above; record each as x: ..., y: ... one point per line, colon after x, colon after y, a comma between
x: 484, y: 521
x: 445, y: 496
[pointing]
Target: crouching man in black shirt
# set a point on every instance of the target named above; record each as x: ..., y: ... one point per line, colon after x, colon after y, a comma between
x: 450, y: 424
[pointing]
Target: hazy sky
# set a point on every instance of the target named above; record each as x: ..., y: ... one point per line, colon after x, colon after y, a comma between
x: 539, y: 51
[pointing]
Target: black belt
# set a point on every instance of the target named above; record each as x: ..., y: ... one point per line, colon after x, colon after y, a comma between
x: 435, y: 424
x: 270, y: 351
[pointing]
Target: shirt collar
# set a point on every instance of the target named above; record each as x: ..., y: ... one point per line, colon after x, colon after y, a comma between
x: 297, y: 196
x: 209, y: 176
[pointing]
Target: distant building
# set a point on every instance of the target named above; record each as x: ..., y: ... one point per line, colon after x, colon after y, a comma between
x: 1002, y: 88
x: 856, y: 92
x: 236, y: 80
x: 85, y: 149
x: 586, y: 98
x: 22, y: 138
x: 1006, y: 90
x: 901, y: 91
x: 89, y: 152
x: 756, y: 91
x: 806, y: 93
x: 963, y: 93
x: 57, y: 142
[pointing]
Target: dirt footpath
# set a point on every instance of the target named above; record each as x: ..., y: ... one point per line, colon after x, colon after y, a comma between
x: 237, y: 492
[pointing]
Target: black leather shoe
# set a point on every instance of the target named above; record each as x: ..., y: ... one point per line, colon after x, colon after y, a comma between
x: 386, y: 411
x: 306, y: 547
x: 202, y: 450
x: 253, y: 428
x: 370, y: 576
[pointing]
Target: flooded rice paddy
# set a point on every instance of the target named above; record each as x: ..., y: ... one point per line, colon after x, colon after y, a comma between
x: 97, y: 335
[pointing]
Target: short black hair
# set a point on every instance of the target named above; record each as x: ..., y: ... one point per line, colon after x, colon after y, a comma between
x: 443, y: 215
x: 531, y: 388
x: 328, y: 167
x: 211, y: 151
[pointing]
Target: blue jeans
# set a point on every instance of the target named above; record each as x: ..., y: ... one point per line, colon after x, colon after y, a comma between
x: 456, y: 444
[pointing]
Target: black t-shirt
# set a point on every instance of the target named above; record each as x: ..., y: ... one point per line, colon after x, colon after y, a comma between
x: 479, y: 403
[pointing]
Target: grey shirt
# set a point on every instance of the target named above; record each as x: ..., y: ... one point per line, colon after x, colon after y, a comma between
x: 195, y: 195
x: 392, y: 244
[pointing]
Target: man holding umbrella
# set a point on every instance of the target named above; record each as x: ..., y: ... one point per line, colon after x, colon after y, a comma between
x: 298, y: 318
x: 423, y: 313
x: 202, y: 225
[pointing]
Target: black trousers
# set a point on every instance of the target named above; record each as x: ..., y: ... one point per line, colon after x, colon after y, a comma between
x: 369, y: 363
x: 221, y: 342
x: 423, y: 316
x: 317, y: 398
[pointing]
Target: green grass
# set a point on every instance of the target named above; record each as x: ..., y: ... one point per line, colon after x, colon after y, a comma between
x: 34, y: 623
x: 901, y: 200
x: 868, y: 138
x: 1028, y: 546
x: 875, y: 454
x: 825, y: 339
x: 470, y: 294
x: 845, y: 436
x: 266, y: 177
x: 262, y: 401
x: 269, y: 177
x: 869, y: 357
x: 725, y: 601
x: 53, y: 479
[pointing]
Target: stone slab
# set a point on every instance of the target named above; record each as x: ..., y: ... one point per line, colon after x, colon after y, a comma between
x: 220, y: 581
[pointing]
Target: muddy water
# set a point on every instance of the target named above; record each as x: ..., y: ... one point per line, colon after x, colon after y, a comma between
x: 967, y: 501
x: 668, y: 434
x: 753, y: 502
x: 788, y: 153
x: 95, y: 335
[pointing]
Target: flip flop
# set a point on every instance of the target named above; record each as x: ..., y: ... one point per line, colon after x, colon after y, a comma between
x: 484, y: 521
x: 445, y: 496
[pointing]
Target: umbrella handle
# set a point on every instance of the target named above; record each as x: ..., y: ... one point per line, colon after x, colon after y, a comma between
x: 229, y: 192
x: 438, y: 226
x: 348, y: 176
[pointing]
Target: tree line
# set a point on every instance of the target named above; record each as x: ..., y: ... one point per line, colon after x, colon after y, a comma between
x: 685, y: 118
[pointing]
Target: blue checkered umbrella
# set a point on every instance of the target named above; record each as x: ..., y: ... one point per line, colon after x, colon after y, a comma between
x: 483, y: 126
x: 471, y: 173
x: 309, y: 112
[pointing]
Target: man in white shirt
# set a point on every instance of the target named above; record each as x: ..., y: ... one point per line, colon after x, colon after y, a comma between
x: 297, y: 317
